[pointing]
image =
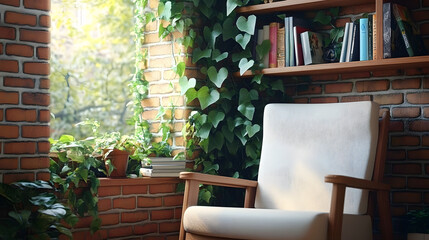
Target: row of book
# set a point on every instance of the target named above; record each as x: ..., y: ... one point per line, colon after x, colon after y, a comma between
x: 294, y: 43
x: 163, y: 167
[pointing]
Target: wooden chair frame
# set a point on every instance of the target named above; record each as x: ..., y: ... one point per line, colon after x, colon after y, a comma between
x: 193, y: 180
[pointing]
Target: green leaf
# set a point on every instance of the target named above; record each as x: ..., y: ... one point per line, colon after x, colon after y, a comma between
x: 204, y: 131
x: 231, y: 5
x: 252, y: 130
x: 205, y: 195
x: 250, y: 151
x: 180, y: 68
x: 185, y: 85
x: 244, y: 96
x: 257, y: 78
x: 243, y: 40
x: 191, y: 94
x: 278, y: 85
x: 66, y: 139
x: 322, y: 18
x: 240, y: 133
x: 204, y: 144
x: 197, y: 54
x: 247, y: 109
x: 263, y: 49
x: 216, y: 142
x: 210, y: 167
x: 164, y: 10
x: 217, y: 56
x: 211, y: 34
x: 217, y: 77
x: 236, y: 175
x: 83, y: 174
x: 242, y: 54
x: 229, y: 135
x: 207, y: 97
x: 233, y: 147
x: 247, y: 25
x: 245, y: 65
x: 21, y: 217
x: 215, y: 117
x: 229, y: 29
x: 334, y: 11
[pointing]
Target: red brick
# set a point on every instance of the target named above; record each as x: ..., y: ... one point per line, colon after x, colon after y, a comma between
x: 161, y: 214
x: 35, y: 131
x: 20, y: 18
x: 372, y: 86
x: 44, y: 83
x: 36, y: 68
x: 424, y: 29
x: 109, y: 191
x: 44, y: 116
x: 100, y: 234
x: 173, y: 200
x: 34, y: 36
x: 419, y: 154
x: 300, y: 100
x: 356, y: 9
x: 355, y: 98
x: 426, y: 83
x: 9, y: 65
x: 134, y: 190
x: 417, y: 71
x: 18, y: 82
x: 149, y: 202
x: 395, y: 155
x: 44, y: 176
x: 397, y: 211
x: 387, y: 73
x: 166, y: 227
x: 396, y: 182
x: 19, y: 50
x: 407, y: 168
x: 339, y: 88
x: 418, y: 98
x: 146, y: 229
x: 325, y: 77
x: 153, y: 238
x: 162, y: 188
x: 419, y: 125
x: 425, y: 141
x: 20, y: 115
x: 38, y: 4
x: 109, y: 219
x: 410, y: 112
x: 45, y: 21
x: 1, y: 114
x: 43, y: 147
x: 41, y: 99
x: 7, y: 33
x: 406, y: 83
x: 9, y: 131
x: 34, y: 163
x: 422, y: 183
x: 8, y: 163
x: 133, y: 217
x: 357, y: 75
x: 10, y: 2
x: 324, y: 100
x: 405, y: 141
x: 15, y: 177
x: 389, y: 99
x: 426, y: 112
x: 43, y: 53
x: 178, y: 213
x: 396, y: 126
x: 124, y: 203
x: 84, y: 222
x: 406, y: 197
x: 314, y: 89
x: 425, y: 3
x: 1, y: 48
x: 19, y: 147
x: 120, y: 232
x: 104, y: 204
x: 173, y: 237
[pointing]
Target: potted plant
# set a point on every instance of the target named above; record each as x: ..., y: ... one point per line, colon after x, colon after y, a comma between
x: 418, y: 224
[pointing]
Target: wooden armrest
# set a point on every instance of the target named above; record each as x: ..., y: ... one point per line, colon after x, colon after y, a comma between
x: 356, y: 183
x: 218, y: 180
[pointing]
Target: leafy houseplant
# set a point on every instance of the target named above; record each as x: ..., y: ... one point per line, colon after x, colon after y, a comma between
x: 418, y: 224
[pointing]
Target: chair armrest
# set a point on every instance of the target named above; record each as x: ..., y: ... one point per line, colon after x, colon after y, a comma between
x: 218, y: 180
x: 356, y: 183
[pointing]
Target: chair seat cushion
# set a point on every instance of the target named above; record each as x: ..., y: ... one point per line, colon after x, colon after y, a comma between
x: 270, y: 224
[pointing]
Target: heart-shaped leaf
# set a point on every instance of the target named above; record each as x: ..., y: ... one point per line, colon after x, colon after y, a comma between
x: 241, y: 133
x: 243, y: 54
x: 180, y: 68
x: 243, y: 96
x: 263, y: 49
x: 229, y: 135
x: 215, y: 117
x: 216, y: 142
x: 252, y: 130
x: 243, y: 40
x: 185, y: 85
x: 217, y: 56
x: 217, y: 77
x: 207, y: 97
x: 204, y: 131
x: 197, y: 54
x: 208, y: 3
x: 164, y: 10
x: 247, y: 109
x: 244, y: 65
x: 278, y: 85
x: 191, y: 94
x: 207, y: 11
x: 247, y: 25
x: 231, y: 5
x: 257, y: 78
x: 211, y: 34
x: 229, y: 29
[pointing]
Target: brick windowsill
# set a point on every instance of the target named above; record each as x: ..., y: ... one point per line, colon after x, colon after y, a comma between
x: 104, y: 182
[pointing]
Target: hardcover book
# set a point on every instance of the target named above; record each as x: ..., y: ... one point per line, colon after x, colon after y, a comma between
x: 273, y: 39
x: 370, y: 16
x: 393, y: 44
x: 363, y: 36
x: 281, y: 47
x: 312, y: 47
x: 266, y: 36
x: 298, y: 45
x: 345, y: 41
x: 355, y: 42
x: 374, y: 36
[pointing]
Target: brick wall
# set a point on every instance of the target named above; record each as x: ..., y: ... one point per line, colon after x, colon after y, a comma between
x: 24, y: 84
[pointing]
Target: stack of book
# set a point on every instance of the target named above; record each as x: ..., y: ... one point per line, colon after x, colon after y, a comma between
x: 163, y: 167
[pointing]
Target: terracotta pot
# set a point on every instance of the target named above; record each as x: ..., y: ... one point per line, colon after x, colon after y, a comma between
x: 119, y: 159
x: 418, y: 236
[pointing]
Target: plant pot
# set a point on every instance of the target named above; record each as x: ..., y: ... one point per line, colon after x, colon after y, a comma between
x: 119, y: 159
x: 418, y: 236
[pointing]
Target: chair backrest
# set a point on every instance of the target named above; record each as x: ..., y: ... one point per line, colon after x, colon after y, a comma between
x: 302, y: 143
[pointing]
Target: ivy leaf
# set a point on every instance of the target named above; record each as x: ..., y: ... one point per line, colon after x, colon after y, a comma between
x: 217, y: 77
x: 278, y: 85
x: 240, y: 133
x: 196, y: 2
x: 243, y: 54
x: 233, y: 147
x: 185, y: 85
x: 216, y: 32
x: 204, y: 144
x: 257, y: 78
x: 217, y: 56
x: 180, y: 25
x: 250, y: 151
x: 191, y: 94
x: 244, y: 65
x: 254, y: 95
x: 252, y: 130
x: 209, y: 166
x: 247, y: 109
x: 207, y: 11
x: 243, y: 40
x: 248, y: 25
x: 215, y: 117
x: 229, y: 135
x: 263, y: 49
x: 227, y: 94
x: 231, y: 5
x: 207, y: 97
x: 205, y: 195
x: 208, y: 3
x: 204, y: 131
x: 243, y: 96
x: 322, y: 18
x: 229, y: 29
x: 164, y: 10
x: 236, y: 175
x: 197, y: 54
x: 216, y: 142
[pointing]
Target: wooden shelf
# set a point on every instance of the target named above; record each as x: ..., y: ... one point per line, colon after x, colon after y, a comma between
x: 297, y: 5
x: 336, y: 68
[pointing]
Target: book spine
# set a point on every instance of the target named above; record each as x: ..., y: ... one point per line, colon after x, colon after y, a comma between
x: 298, y: 55
x: 400, y: 23
x: 287, y: 56
x: 349, y: 42
x: 374, y: 36
x: 345, y: 40
x: 370, y: 16
x: 273, y: 39
x: 306, y: 51
x: 281, y: 47
x: 387, y: 31
x: 266, y: 36
x: 291, y: 44
x: 363, y: 37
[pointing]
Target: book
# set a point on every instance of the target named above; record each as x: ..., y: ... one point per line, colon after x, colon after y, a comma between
x: 273, y: 40
x: 349, y: 42
x: 370, y: 47
x: 312, y: 47
x: 293, y: 37
x: 259, y: 40
x: 298, y: 46
x: 393, y: 44
x: 287, y: 39
x: 409, y: 31
x: 345, y: 41
x: 290, y: 47
x: 355, y: 39
x: 363, y: 39
x: 374, y: 36
x: 281, y: 47
x: 266, y: 36
x: 147, y: 172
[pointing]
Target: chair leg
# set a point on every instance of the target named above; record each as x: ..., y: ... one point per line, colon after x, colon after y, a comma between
x: 385, y: 216
x: 190, y: 199
x: 336, y: 213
